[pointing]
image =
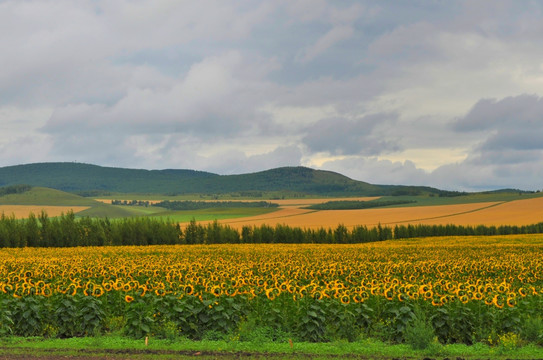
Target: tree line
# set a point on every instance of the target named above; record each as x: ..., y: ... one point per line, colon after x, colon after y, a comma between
x: 131, y: 202
x: 198, y: 205
x: 357, y: 204
x: 14, y: 189
x: 67, y: 231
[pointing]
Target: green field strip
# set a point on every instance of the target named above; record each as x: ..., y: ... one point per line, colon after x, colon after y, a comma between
x: 213, y: 214
x: 280, y: 217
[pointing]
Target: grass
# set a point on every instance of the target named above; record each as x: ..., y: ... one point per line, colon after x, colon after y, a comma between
x: 113, y: 344
x: 46, y: 196
x: 212, y: 214
x: 120, y: 211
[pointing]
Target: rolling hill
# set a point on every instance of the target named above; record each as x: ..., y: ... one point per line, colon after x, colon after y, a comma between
x: 92, y: 180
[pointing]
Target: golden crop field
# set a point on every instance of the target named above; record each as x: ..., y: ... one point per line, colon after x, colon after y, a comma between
x: 518, y: 212
x: 22, y: 211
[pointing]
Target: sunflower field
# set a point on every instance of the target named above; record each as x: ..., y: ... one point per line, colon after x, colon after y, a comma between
x: 466, y: 289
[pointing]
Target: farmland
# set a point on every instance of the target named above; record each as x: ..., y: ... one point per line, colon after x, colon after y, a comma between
x: 471, y: 289
x: 493, y: 209
x: 518, y: 211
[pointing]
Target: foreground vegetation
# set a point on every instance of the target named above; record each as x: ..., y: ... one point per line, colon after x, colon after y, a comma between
x: 420, y: 292
x: 110, y: 345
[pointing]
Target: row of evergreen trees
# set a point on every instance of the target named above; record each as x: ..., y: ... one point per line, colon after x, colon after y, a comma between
x: 67, y: 230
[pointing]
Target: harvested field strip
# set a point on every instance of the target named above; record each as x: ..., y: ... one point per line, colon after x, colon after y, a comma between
x: 22, y: 211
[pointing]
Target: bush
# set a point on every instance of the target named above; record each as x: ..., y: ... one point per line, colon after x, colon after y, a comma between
x: 419, y: 333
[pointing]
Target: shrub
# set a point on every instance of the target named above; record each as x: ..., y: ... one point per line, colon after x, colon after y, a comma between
x: 419, y: 333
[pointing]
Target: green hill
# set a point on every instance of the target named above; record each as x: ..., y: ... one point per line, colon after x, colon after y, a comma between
x: 46, y: 196
x: 75, y: 177
x: 93, y: 180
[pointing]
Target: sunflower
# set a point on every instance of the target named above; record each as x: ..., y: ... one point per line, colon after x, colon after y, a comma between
x: 345, y: 299
x: 428, y: 294
x: 317, y: 295
x: 436, y: 301
x: 498, y: 301
x: 128, y: 298
x: 160, y: 292
x: 389, y: 293
x: 270, y: 294
x: 502, y: 288
x: 74, y: 288
x: 216, y: 290
x: 98, y: 291
x: 357, y: 298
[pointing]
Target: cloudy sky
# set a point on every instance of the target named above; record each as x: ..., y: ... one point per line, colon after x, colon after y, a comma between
x: 439, y: 93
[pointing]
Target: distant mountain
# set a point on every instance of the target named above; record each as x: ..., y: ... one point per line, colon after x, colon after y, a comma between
x: 88, y: 179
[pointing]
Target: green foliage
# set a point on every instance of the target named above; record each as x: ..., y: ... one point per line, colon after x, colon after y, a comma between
x: 353, y: 204
x: 419, y: 333
x: 66, y: 314
x: 197, y: 205
x: 66, y: 231
x: 6, y: 322
x: 400, y: 316
x: 30, y: 316
x: 14, y: 189
x: 532, y: 330
x: 260, y: 319
x: 92, y: 315
x: 312, y: 322
x: 139, y: 319
x: 78, y: 315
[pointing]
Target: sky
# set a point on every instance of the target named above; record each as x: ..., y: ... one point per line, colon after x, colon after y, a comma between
x: 439, y: 93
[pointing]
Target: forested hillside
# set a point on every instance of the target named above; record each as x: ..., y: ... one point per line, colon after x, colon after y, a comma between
x: 93, y: 180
